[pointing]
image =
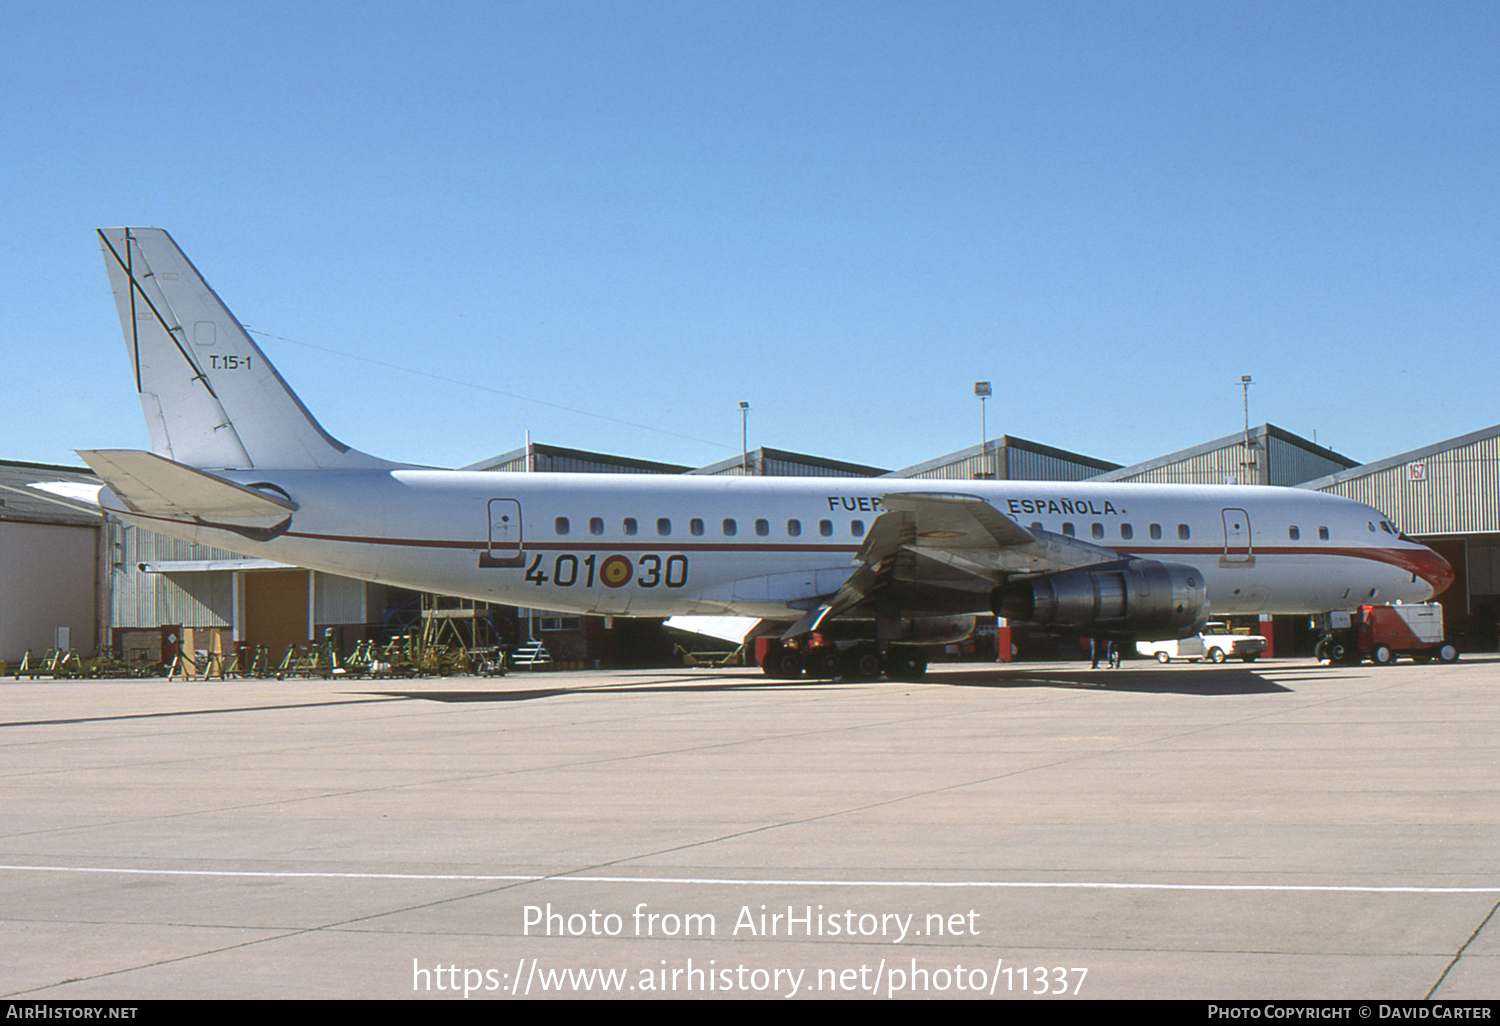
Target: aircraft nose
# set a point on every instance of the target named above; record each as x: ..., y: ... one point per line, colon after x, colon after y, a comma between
x: 1433, y: 569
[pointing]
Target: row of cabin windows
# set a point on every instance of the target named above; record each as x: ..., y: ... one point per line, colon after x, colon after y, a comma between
x: 729, y: 527
x: 1127, y: 531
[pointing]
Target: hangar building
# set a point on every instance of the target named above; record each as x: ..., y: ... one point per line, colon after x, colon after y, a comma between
x: 1447, y: 496
x: 143, y: 593
x: 49, y: 560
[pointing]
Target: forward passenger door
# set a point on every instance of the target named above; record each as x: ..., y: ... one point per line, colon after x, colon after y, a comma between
x: 504, y: 548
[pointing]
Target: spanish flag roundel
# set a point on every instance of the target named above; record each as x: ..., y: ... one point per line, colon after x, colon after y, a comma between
x: 616, y: 571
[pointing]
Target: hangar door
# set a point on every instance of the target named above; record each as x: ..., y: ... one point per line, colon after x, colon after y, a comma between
x: 276, y: 609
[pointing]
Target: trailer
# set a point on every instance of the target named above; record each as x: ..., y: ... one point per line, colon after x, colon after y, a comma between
x: 1383, y: 634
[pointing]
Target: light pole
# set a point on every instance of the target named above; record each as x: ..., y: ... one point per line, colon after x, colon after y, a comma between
x: 982, y: 390
x: 744, y: 438
x: 1249, y: 462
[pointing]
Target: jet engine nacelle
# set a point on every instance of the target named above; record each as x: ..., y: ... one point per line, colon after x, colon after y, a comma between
x: 1138, y: 598
x: 936, y: 630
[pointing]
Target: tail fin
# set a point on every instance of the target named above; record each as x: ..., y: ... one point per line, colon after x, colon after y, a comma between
x: 211, y: 398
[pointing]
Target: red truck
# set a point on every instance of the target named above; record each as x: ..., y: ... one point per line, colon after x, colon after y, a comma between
x: 1382, y: 634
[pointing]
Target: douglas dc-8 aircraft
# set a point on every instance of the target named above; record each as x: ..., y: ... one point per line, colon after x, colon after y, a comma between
x: 849, y: 575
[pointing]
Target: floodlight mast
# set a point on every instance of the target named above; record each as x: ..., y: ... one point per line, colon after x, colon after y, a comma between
x: 982, y: 390
x: 1249, y: 461
x: 744, y: 438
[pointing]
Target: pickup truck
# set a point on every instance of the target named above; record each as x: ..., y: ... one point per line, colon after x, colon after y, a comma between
x: 1215, y: 644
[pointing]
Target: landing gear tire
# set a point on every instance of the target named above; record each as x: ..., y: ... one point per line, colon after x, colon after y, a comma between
x: 862, y: 662
x: 783, y: 663
x: 905, y: 663
x: 824, y: 663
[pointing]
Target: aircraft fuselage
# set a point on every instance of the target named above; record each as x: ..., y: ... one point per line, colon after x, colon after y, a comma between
x: 768, y: 547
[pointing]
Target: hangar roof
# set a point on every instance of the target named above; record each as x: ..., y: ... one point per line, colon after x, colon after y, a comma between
x: 1277, y: 457
x: 1007, y: 458
x: 536, y: 457
x: 20, y: 502
x: 781, y: 463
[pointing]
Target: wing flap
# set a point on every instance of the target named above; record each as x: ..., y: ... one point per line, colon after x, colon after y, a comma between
x: 955, y: 521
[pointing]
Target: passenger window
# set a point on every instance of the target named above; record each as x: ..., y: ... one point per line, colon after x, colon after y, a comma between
x: 1068, y: 530
x: 663, y: 526
x: 1036, y: 525
x: 1097, y: 530
x: 1127, y: 532
x: 1156, y: 532
x: 825, y: 528
x: 630, y: 525
x: 1183, y: 532
x: 762, y: 528
x: 596, y: 525
x: 731, y: 528
x: 1293, y: 533
x: 794, y: 528
x: 695, y: 525
x: 561, y: 525
x: 1322, y: 534
x: 857, y: 528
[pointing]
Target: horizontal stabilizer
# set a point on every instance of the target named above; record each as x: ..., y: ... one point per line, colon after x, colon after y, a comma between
x: 155, y: 486
x: 68, y: 491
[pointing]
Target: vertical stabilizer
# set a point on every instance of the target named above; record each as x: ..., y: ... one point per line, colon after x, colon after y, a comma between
x: 211, y: 398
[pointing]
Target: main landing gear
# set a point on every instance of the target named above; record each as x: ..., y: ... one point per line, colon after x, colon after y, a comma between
x: 861, y: 661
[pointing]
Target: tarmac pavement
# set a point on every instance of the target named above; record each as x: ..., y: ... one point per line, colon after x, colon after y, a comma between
x: 1040, y: 830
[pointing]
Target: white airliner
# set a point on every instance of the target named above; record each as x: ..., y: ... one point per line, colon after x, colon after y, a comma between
x: 849, y: 575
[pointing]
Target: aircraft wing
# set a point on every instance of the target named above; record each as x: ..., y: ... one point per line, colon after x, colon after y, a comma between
x: 153, y: 485
x: 933, y: 553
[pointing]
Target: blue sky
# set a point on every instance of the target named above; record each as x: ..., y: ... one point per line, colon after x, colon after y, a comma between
x: 608, y: 223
